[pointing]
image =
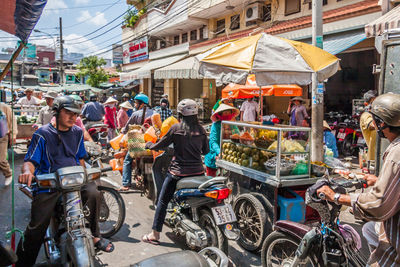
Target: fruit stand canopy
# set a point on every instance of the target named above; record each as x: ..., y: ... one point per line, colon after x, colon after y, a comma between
x: 250, y: 89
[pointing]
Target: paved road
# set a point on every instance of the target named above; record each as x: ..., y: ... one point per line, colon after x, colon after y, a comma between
x: 139, y: 217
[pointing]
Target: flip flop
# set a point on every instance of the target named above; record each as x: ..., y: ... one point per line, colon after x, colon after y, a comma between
x: 146, y: 239
x: 102, y: 245
x: 124, y: 189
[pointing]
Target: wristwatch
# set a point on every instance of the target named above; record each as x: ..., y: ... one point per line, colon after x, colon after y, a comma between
x: 336, y: 198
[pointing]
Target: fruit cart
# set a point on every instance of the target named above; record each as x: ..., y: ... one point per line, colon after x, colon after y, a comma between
x: 269, y: 170
x: 26, y: 117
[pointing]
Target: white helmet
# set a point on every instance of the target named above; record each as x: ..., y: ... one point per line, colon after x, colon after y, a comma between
x: 188, y: 107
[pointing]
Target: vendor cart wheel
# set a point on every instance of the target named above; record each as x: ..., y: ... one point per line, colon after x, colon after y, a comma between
x: 251, y: 218
x: 269, y: 210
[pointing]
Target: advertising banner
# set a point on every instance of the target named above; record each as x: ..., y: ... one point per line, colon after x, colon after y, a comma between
x: 117, y: 54
x: 136, y: 50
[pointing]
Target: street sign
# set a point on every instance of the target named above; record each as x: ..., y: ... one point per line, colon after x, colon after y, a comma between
x: 117, y: 54
x: 29, y: 50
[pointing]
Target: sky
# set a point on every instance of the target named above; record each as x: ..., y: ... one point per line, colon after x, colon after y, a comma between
x: 80, y: 18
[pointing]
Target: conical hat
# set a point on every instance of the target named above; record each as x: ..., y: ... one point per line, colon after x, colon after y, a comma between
x: 126, y: 104
x: 110, y: 100
x: 223, y: 107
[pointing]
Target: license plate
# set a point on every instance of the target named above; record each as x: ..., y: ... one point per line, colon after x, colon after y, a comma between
x: 341, y: 135
x: 360, y: 140
x: 223, y: 214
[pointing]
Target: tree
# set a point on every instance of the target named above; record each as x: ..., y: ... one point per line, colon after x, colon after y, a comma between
x: 92, y: 67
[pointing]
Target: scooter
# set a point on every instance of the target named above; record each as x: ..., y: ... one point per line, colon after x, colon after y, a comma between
x: 99, y: 133
x: 207, y: 257
x: 197, y: 210
x: 68, y: 240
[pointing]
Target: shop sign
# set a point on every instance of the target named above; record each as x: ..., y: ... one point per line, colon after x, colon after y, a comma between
x: 117, y: 54
x: 136, y: 50
x: 29, y: 50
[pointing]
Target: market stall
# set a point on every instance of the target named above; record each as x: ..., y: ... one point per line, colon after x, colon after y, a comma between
x: 266, y: 166
x: 26, y: 118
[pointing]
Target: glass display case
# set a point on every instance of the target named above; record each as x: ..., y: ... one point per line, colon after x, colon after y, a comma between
x: 266, y: 153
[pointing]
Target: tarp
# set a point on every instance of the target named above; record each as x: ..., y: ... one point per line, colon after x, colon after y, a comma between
x: 389, y: 21
x: 272, y: 59
x: 145, y: 71
x: 19, y: 17
x: 187, y: 68
x: 250, y: 89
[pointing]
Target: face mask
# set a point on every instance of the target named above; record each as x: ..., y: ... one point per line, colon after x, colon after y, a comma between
x: 379, y: 129
x: 111, y: 105
x: 225, y: 117
x: 163, y: 106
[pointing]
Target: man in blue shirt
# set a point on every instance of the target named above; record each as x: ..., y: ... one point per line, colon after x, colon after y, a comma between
x: 53, y: 146
x: 93, y: 112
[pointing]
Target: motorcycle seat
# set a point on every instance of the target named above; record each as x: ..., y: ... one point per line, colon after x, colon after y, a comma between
x: 191, y: 182
x: 98, y: 125
x: 177, y: 259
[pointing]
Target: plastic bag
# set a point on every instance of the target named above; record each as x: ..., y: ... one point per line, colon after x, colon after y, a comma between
x: 124, y: 142
x: 156, y: 120
x: 150, y: 135
x: 167, y: 124
x: 301, y: 168
x: 115, y: 141
x: 334, y: 163
x: 287, y: 146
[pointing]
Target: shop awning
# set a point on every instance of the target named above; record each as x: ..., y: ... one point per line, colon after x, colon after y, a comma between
x: 145, y: 71
x: 390, y: 20
x: 183, y: 69
x: 337, y: 44
x: 128, y: 82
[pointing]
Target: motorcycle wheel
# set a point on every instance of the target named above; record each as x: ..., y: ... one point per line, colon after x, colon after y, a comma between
x: 215, y: 238
x: 252, y: 221
x: 279, y: 250
x: 112, y: 211
x: 347, y: 146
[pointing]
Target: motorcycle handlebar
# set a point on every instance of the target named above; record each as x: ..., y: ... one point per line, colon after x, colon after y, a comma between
x: 106, y: 169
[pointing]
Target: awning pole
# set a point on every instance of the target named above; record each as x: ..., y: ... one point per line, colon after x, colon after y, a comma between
x: 11, y: 61
x: 261, y: 104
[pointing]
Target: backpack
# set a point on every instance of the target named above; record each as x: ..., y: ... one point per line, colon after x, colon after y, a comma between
x: 3, y: 124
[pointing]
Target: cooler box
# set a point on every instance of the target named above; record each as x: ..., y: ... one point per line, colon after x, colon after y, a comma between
x: 292, y: 207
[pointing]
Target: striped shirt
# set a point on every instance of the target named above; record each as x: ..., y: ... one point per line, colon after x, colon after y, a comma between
x: 382, y: 204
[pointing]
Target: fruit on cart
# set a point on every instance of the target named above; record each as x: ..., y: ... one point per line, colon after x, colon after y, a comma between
x: 243, y: 156
x: 287, y: 146
x: 247, y: 151
x: 245, y: 162
x: 268, y: 134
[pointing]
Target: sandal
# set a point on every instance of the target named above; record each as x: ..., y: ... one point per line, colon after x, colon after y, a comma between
x: 124, y: 188
x: 146, y: 239
x: 102, y: 245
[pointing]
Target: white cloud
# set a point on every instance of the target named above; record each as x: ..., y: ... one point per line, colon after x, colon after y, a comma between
x: 52, y: 6
x: 81, y: 2
x: 86, y: 47
x: 98, y: 19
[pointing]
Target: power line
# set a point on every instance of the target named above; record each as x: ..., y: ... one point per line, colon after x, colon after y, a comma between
x: 80, y: 7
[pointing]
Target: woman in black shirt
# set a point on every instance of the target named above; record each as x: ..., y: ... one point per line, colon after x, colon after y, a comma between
x: 190, y: 142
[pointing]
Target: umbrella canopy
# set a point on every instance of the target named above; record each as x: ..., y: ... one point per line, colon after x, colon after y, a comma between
x: 251, y: 89
x: 272, y: 59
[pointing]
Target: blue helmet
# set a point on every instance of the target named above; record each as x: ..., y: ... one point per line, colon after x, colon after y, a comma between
x: 142, y: 97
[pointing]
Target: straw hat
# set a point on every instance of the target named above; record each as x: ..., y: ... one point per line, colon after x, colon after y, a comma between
x: 51, y: 94
x: 298, y: 98
x: 111, y: 100
x: 224, y: 107
x: 126, y: 104
x: 326, y: 125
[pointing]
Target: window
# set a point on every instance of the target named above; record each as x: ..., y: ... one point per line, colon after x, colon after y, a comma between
x: 235, y: 22
x: 193, y: 35
x: 163, y: 44
x: 184, y: 37
x: 292, y: 6
x: 266, y: 15
x: 220, y: 26
x: 324, y: 3
x: 176, y: 39
x: 201, y: 33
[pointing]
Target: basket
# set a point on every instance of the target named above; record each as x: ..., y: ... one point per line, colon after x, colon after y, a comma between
x: 263, y: 142
x: 284, y: 171
x: 247, y: 142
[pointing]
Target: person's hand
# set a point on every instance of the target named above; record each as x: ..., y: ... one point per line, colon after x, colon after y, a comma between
x: 329, y: 193
x: 25, y: 178
x: 216, y: 157
x: 371, y: 179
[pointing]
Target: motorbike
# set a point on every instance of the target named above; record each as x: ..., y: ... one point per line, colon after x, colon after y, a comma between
x: 112, y: 205
x: 207, y: 257
x: 328, y: 244
x: 99, y: 133
x: 350, y: 138
x: 68, y: 240
x: 197, y: 210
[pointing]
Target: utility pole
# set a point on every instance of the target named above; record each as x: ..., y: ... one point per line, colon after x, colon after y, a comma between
x: 317, y: 104
x: 61, y: 54
x: 385, y: 6
x: 23, y: 67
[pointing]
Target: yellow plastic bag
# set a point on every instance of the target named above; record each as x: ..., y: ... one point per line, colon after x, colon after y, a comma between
x: 150, y: 135
x: 156, y: 120
x: 167, y: 124
x: 115, y: 141
x: 124, y: 142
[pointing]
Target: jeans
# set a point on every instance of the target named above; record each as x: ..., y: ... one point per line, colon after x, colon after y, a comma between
x: 127, y: 170
x: 166, y: 194
x: 42, y: 209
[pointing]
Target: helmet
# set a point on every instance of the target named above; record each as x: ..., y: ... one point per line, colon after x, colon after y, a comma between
x: 142, y: 97
x: 188, y: 107
x: 92, y: 96
x: 66, y: 102
x: 387, y: 108
x: 369, y: 95
x: 77, y: 98
x: 126, y: 95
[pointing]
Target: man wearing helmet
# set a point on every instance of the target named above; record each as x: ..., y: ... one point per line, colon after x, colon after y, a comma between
x: 382, y: 202
x: 55, y: 145
x: 367, y: 126
x: 143, y: 111
x: 190, y: 142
